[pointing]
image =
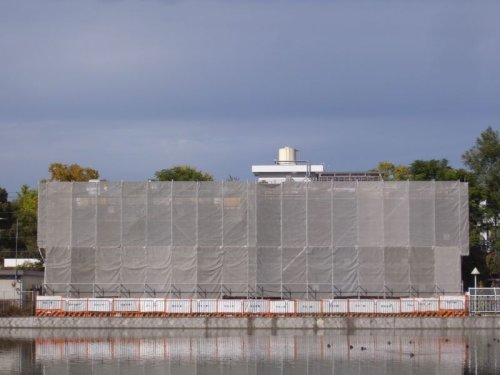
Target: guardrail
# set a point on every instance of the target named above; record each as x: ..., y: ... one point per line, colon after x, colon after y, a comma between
x: 484, y: 300
x: 451, y: 306
x: 290, y: 291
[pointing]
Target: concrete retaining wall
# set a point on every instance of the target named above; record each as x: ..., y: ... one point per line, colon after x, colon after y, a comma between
x: 484, y: 322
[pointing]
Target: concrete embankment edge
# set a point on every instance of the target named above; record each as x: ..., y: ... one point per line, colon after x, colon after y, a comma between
x: 483, y: 322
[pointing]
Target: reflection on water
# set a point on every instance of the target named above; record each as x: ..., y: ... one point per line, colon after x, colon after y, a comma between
x: 236, y: 352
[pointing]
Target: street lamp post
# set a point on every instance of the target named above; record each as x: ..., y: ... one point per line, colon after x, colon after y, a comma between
x: 474, y: 272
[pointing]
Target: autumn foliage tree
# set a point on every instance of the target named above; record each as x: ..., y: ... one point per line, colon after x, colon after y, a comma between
x: 71, y: 172
x: 391, y: 172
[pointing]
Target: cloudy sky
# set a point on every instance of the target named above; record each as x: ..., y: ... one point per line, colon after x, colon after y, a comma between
x: 130, y: 87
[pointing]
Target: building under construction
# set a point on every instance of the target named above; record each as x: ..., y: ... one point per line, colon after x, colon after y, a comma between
x: 299, y: 240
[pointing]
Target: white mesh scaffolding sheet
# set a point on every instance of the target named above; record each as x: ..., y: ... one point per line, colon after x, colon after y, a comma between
x: 294, y: 240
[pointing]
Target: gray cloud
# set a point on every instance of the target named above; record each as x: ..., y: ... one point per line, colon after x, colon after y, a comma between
x: 132, y: 86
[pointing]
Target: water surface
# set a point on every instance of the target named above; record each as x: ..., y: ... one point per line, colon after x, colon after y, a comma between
x: 238, y: 352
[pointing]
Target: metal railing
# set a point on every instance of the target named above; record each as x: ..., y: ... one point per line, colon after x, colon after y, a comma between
x: 231, y: 290
x: 16, y: 303
x: 484, y: 300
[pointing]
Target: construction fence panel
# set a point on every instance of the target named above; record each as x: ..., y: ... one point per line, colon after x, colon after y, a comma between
x: 452, y: 303
x: 204, y: 306
x: 230, y: 306
x: 308, y: 307
x: 458, y: 305
x: 335, y: 306
x: 152, y: 305
x: 49, y: 303
x: 127, y: 305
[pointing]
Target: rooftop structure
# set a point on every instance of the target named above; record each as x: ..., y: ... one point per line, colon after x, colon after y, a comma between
x: 288, y: 168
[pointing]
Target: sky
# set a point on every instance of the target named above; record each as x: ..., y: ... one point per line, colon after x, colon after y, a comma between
x: 129, y: 87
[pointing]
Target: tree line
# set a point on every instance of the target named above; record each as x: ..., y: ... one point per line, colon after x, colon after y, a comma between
x: 481, y: 172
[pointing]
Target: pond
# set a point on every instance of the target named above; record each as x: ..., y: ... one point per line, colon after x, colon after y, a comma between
x: 240, y: 352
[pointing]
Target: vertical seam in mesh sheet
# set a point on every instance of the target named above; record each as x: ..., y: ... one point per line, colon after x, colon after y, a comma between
x: 171, y: 214
x: 356, y: 246
x: 307, y: 240
x: 248, y: 217
x: 171, y: 238
x: 197, y: 287
x: 146, y: 224
x: 96, y: 215
x: 96, y: 232
x: 434, y: 247
x: 40, y: 238
x: 256, y: 234
x: 281, y: 240
x: 71, y: 233
x: 247, y: 253
x: 146, y: 242
x: 222, y: 213
x: 223, y: 251
x: 383, y: 236
x: 409, y: 229
x: 331, y: 234
x: 122, y: 248
x: 121, y: 214
x: 408, y: 243
x: 197, y: 216
x: 408, y: 199
x: 459, y: 217
x: 357, y: 214
x: 96, y: 247
x: 434, y: 214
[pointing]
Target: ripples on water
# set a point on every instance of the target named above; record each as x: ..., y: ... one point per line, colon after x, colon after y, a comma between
x: 236, y: 352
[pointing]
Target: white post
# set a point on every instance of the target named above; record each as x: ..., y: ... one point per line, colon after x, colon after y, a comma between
x: 475, y: 272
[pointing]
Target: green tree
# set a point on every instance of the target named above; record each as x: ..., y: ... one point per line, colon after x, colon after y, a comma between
x: 182, y: 173
x: 439, y: 170
x: 72, y: 172
x: 3, y: 196
x: 483, y: 159
x: 25, y: 208
x: 6, y: 220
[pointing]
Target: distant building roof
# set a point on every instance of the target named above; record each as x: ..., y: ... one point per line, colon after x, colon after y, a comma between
x: 350, y: 176
x: 288, y: 168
